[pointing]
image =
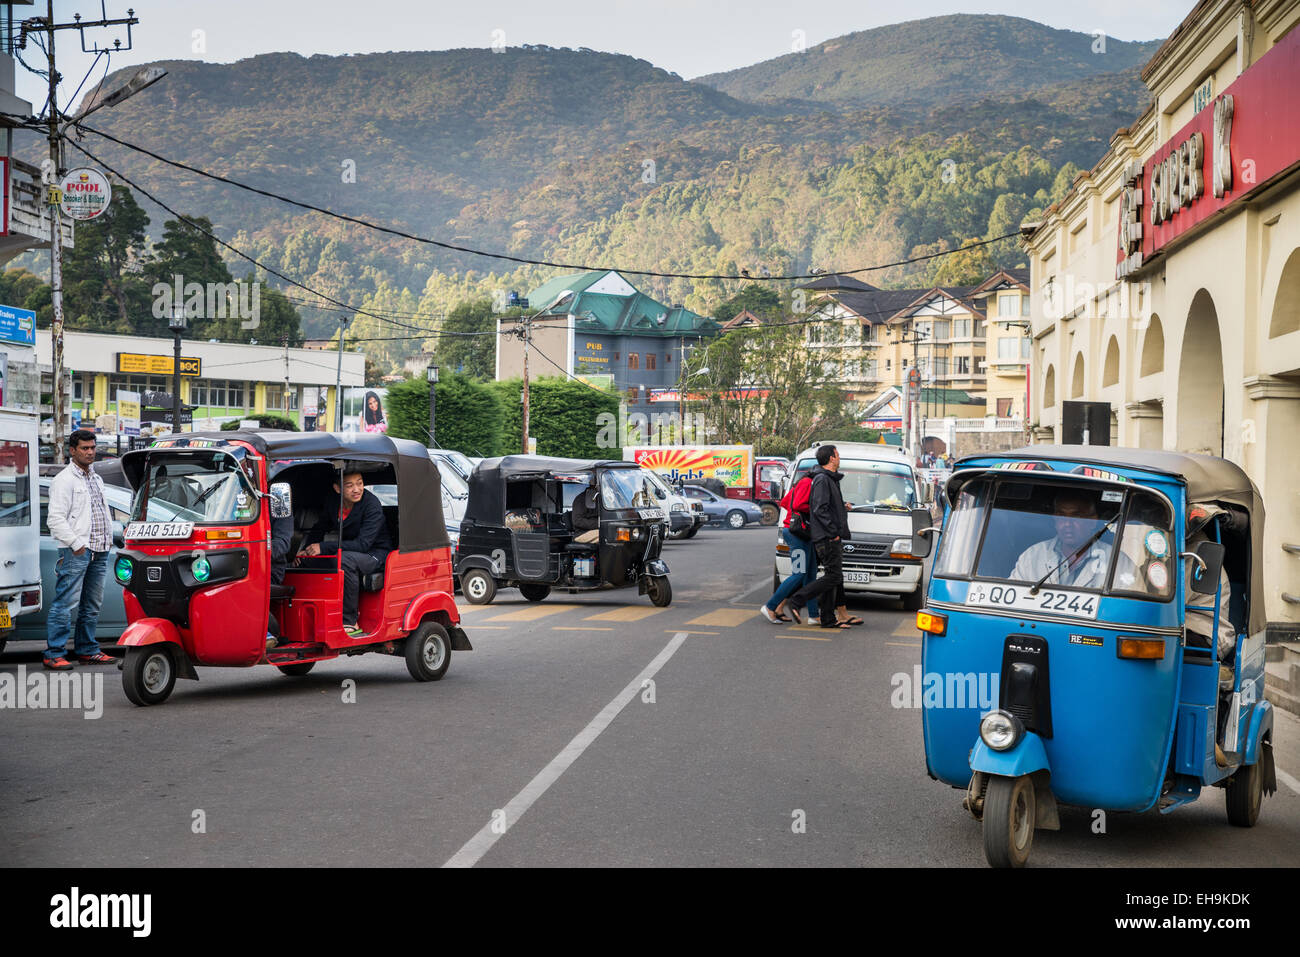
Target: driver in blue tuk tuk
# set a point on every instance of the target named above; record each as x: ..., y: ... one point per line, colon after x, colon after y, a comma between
x: 1200, y: 614
x: 1077, y: 556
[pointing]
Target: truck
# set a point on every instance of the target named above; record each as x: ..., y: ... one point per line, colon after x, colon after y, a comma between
x: 20, y: 542
x: 759, y: 480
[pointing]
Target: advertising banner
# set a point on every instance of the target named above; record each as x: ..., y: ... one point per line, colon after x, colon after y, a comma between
x: 128, y: 412
x: 364, y: 410
x: 733, y: 465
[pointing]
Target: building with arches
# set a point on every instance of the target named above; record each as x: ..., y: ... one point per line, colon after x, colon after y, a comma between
x: 1167, y: 281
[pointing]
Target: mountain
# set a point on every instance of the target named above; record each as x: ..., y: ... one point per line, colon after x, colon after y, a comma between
x: 926, y: 62
x: 600, y: 159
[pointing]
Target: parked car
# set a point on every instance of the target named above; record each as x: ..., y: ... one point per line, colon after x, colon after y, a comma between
x: 732, y: 512
x: 112, y: 613
x: 683, y: 519
x: 458, y: 460
x: 455, y: 490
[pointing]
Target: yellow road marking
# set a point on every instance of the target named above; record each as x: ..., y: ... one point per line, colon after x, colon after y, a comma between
x: 630, y: 613
x: 726, y: 617
x: 805, y: 637
x: 906, y: 630
x: 533, y: 613
x: 904, y: 644
x: 577, y: 628
x: 492, y: 628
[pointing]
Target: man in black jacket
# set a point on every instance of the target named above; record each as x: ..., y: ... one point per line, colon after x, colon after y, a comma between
x: 364, y: 542
x: 828, y: 524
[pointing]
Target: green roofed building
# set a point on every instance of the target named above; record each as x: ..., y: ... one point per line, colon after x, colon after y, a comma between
x: 599, y: 324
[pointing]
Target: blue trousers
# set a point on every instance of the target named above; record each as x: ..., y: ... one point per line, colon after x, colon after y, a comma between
x: 78, y: 594
x: 803, y: 562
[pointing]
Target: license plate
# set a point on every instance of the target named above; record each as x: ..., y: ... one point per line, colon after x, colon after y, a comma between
x: 5, y: 620
x: 1048, y: 601
x: 860, y: 578
x: 138, y: 530
x: 651, y: 513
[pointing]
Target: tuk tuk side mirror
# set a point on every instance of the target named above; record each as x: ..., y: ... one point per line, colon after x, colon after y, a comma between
x: 281, y: 500
x: 921, y: 529
x: 119, y: 535
x: 1209, y: 559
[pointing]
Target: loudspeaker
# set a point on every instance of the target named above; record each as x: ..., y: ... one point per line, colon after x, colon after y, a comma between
x: 1092, y: 417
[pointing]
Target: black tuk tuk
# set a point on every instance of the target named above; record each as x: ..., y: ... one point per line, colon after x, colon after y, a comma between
x: 518, y: 530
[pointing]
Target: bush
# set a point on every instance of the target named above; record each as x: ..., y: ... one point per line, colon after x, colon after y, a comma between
x: 265, y: 420
x: 469, y: 414
x: 564, y: 417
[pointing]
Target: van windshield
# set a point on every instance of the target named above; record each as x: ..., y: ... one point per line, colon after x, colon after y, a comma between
x: 1093, y: 538
x: 204, y: 488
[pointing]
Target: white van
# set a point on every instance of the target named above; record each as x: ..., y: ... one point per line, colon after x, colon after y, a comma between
x: 20, y: 536
x: 882, y: 487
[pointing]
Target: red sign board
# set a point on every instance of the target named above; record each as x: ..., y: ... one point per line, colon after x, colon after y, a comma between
x: 1247, y: 136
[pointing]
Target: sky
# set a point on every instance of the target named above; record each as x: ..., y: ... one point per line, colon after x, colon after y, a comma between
x: 681, y: 36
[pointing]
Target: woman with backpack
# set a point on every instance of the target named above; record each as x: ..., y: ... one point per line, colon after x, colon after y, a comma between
x: 803, y: 560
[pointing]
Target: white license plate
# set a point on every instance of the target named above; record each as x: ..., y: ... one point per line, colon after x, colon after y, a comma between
x: 138, y: 530
x: 1048, y: 601
x: 651, y: 513
x: 860, y: 578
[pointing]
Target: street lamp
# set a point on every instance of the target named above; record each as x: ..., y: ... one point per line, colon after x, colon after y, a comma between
x: 433, y: 404
x: 177, y: 326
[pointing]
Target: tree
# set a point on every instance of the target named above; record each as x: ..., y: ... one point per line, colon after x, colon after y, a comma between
x: 467, y: 342
x: 759, y: 298
x: 104, y: 288
x: 184, y: 255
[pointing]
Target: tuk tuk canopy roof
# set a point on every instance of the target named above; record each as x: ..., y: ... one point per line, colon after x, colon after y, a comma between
x: 1208, y: 479
x: 487, y: 482
x: 419, y: 499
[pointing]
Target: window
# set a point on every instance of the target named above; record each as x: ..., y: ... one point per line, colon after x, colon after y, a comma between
x: 889, y: 365
x: 961, y: 328
x: 1007, y: 306
x: 1007, y: 348
x: 633, y: 360
x: 963, y: 365
x: 78, y: 388
x: 15, y: 484
x: 217, y: 393
x: 1024, y: 305
x: 633, y: 395
x: 274, y: 397
x: 1004, y: 408
x: 616, y: 357
x: 668, y: 358
x: 650, y: 361
x: 199, y: 393
x: 235, y: 395
x: 941, y: 327
x: 1024, y: 347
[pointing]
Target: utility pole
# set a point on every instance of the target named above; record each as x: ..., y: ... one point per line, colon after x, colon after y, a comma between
x: 338, y: 380
x: 53, y: 198
x: 528, y: 338
x: 913, y: 402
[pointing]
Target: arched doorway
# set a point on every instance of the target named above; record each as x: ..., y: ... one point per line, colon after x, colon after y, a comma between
x: 1049, y: 387
x: 1110, y: 371
x: 1076, y: 385
x: 1286, y: 307
x: 1200, y: 380
x: 1153, y: 348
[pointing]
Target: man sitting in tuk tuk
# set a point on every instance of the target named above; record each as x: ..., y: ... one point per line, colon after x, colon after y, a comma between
x: 1200, y: 615
x: 1077, y: 556
x: 364, y: 543
x: 586, y: 517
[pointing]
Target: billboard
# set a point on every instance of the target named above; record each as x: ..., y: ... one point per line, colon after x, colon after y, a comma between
x: 733, y: 465
x: 365, y: 410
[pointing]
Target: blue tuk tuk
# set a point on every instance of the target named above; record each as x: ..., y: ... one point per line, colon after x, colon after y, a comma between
x: 1094, y: 636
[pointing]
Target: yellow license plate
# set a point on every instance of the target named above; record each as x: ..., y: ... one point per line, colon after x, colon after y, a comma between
x: 5, y: 622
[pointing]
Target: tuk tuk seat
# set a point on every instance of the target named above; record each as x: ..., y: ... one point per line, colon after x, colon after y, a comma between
x: 281, y: 591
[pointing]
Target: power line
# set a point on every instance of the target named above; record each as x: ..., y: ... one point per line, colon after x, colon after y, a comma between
x: 519, y: 259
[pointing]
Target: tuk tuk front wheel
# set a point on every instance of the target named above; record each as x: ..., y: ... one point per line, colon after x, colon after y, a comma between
x: 478, y: 586
x: 660, y: 591
x: 1244, y: 794
x: 428, y: 652
x: 148, y: 674
x: 535, y: 592
x: 1009, y: 811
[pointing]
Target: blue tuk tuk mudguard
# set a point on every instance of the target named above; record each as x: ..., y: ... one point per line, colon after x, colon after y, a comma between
x: 1260, y: 727
x: 1026, y: 757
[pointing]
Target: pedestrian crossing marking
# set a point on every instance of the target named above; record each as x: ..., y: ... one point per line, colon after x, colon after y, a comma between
x: 904, y: 644
x: 577, y: 628
x: 806, y: 637
x: 629, y: 613
x: 692, y: 633
x: 533, y: 613
x: 726, y: 617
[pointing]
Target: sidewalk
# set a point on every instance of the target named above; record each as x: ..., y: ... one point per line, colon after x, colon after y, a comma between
x: 1286, y: 750
x: 1282, y: 676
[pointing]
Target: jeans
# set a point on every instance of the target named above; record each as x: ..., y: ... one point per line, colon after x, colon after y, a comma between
x: 355, y: 564
x: 77, y: 596
x: 829, y: 589
x: 803, y: 563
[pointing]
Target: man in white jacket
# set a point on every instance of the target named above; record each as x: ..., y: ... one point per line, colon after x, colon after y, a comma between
x: 80, y: 522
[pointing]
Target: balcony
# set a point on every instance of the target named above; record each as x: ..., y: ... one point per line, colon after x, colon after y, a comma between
x: 29, y: 225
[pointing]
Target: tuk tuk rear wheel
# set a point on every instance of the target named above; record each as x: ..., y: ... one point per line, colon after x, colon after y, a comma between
x: 428, y: 652
x: 478, y: 586
x: 1009, y: 811
x: 148, y: 674
x: 1244, y: 794
x: 660, y: 591
x: 298, y: 670
x: 535, y: 592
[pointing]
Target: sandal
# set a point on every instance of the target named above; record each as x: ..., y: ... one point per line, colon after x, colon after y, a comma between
x: 795, y: 617
x: 852, y: 620
x: 834, y: 624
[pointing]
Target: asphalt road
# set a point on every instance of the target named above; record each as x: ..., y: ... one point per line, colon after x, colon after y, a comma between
x: 544, y: 746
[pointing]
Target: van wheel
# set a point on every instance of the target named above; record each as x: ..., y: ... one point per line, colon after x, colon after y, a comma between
x: 914, y: 600
x: 1009, y: 811
x: 478, y: 586
x: 535, y: 592
x: 1245, y: 793
x: 428, y: 652
x: 149, y: 674
x: 660, y: 591
x: 298, y: 670
x: 695, y: 529
x: 770, y: 513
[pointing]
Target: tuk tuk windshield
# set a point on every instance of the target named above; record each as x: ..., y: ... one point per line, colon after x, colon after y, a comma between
x: 626, y: 488
x: 202, y: 488
x: 1018, y: 530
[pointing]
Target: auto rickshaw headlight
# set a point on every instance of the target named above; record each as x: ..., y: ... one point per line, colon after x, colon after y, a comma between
x: 123, y: 569
x: 201, y: 570
x: 1001, y: 730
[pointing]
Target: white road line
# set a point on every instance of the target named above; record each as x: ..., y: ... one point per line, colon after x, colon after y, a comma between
x: 1286, y: 779
x: 482, y: 842
x: 765, y: 583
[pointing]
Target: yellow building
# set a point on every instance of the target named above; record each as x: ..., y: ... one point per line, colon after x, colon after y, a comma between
x: 1167, y: 282
x: 1005, y: 299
